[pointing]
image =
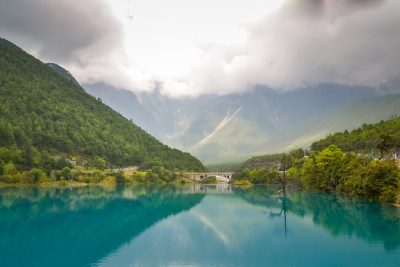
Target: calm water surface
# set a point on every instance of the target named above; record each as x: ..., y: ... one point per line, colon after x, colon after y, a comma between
x: 194, y: 225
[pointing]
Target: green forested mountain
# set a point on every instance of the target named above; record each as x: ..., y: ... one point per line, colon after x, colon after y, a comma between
x: 43, y: 114
x: 383, y: 136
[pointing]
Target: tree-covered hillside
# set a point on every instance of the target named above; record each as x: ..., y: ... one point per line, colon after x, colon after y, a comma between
x: 63, y: 72
x: 44, y: 114
x: 342, y: 163
x: 270, y: 161
x: 384, y: 137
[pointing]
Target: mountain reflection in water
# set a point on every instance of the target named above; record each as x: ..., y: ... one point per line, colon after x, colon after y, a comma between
x: 201, y: 225
x: 77, y: 226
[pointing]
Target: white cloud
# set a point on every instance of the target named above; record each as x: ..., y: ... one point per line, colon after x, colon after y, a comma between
x: 189, y: 47
x: 63, y: 30
x: 346, y: 44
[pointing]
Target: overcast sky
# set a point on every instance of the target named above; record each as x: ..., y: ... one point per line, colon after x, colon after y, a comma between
x: 192, y: 47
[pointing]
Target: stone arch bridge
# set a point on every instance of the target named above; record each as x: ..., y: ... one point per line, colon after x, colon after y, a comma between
x: 200, y: 176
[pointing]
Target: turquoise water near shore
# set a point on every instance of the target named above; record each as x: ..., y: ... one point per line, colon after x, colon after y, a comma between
x: 193, y: 225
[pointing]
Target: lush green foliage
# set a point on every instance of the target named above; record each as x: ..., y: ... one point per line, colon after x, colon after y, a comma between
x: 46, y: 118
x: 384, y: 136
x: 258, y: 176
x: 265, y: 161
x: 86, y: 175
x: 328, y: 168
x: 210, y: 180
x: 268, y: 169
x: 331, y: 170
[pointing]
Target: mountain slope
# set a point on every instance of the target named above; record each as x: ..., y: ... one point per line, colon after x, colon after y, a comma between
x: 233, y: 127
x: 42, y: 110
x: 63, y: 72
x: 384, y: 136
x: 347, y: 117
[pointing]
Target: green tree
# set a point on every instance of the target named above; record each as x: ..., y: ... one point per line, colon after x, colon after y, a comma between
x: 297, y: 154
x: 328, y: 163
x: 6, y: 134
x: 244, y: 175
x: 2, y: 167
x: 35, y: 174
x: 310, y: 174
x: 47, y: 162
x: 382, y: 180
x: 138, y: 177
x: 166, y: 176
x: 10, y: 168
x: 120, y: 178
x: 5, y: 154
x: 386, y: 142
x: 66, y: 173
x: 352, y: 169
x: 62, y: 163
x: 99, y: 163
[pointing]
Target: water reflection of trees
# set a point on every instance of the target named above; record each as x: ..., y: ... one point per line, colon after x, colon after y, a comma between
x: 339, y: 215
x: 78, y: 226
x: 283, y: 201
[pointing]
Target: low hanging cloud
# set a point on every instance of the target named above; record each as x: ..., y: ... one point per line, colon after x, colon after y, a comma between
x: 302, y: 43
x: 83, y: 36
x: 60, y: 29
x: 308, y: 42
x: 330, y: 8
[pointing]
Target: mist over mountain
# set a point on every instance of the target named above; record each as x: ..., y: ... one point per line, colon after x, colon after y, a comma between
x: 233, y: 127
x: 221, y: 54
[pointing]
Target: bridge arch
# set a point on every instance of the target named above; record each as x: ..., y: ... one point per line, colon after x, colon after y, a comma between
x: 199, y: 176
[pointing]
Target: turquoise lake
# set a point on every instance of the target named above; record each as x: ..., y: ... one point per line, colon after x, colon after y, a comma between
x: 193, y: 225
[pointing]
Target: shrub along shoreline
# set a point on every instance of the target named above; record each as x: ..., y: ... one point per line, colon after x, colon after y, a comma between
x: 78, y: 176
x: 331, y: 170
